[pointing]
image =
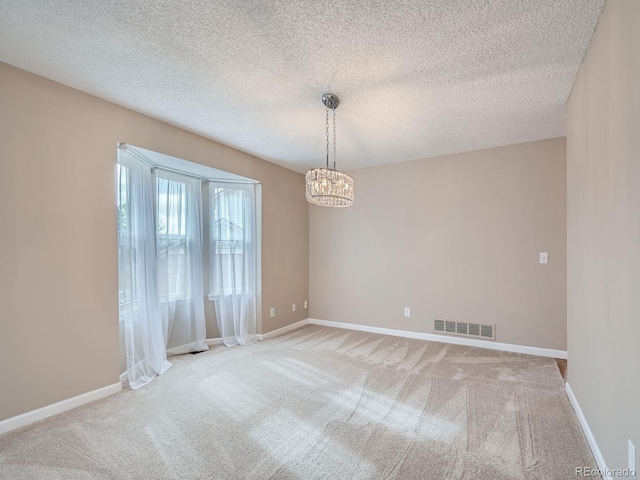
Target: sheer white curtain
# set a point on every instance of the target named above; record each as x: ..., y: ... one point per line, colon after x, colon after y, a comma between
x: 138, y: 282
x: 233, y: 260
x: 180, y: 269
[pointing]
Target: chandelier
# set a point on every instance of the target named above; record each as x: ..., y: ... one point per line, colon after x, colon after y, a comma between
x: 329, y: 187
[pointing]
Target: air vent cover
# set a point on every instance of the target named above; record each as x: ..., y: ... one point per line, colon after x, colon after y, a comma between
x: 465, y: 329
x: 486, y: 331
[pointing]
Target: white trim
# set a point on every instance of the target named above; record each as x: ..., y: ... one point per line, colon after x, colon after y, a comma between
x: 124, y: 377
x: 282, y: 330
x: 214, y: 341
x: 472, y: 342
x: 602, y: 466
x: 41, y: 413
x: 188, y: 348
x: 213, y: 297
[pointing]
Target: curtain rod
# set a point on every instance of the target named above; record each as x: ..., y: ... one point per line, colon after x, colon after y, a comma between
x: 124, y: 146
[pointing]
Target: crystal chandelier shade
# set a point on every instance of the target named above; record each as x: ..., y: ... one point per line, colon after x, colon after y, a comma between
x: 329, y: 187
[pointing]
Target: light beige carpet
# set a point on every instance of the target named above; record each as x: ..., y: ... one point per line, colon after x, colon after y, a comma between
x: 319, y: 403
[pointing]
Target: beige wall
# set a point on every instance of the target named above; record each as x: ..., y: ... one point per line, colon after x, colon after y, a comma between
x: 454, y: 238
x: 603, y: 233
x: 58, y: 251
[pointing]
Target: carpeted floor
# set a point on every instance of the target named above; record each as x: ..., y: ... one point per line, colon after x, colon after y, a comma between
x: 319, y: 403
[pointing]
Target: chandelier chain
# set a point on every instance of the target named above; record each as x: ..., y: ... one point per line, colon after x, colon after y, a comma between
x: 334, y: 138
x: 327, y: 129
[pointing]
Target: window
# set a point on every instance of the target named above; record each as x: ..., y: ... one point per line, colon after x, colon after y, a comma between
x: 126, y: 252
x: 174, y: 277
x: 173, y: 213
x: 160, y: 245
x: 233, y: 239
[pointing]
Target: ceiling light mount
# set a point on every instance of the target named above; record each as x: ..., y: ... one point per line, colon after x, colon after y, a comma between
x: 330, y: 101
x: 328, y: 187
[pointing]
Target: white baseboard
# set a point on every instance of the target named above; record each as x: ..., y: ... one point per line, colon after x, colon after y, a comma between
x: 472, y: 342
x: 41, y: 413
x: 282, y: 330
x: 587, y: 431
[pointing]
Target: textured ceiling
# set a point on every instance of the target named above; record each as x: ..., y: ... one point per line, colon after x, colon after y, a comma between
x: 416, y: 78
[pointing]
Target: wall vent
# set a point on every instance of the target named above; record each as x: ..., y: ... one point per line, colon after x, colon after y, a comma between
x: 465, y: 329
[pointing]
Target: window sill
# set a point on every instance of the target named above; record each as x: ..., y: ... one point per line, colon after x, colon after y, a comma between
x: 177, y: 299
x: 213, y: 298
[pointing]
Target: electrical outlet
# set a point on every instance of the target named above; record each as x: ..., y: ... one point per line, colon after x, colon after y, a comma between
x: 632, y: 458
x: 293, y: 307
x: 273, y: 312
x: 407, y: 312
x: 544, y: 257
x: 306, y: 304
